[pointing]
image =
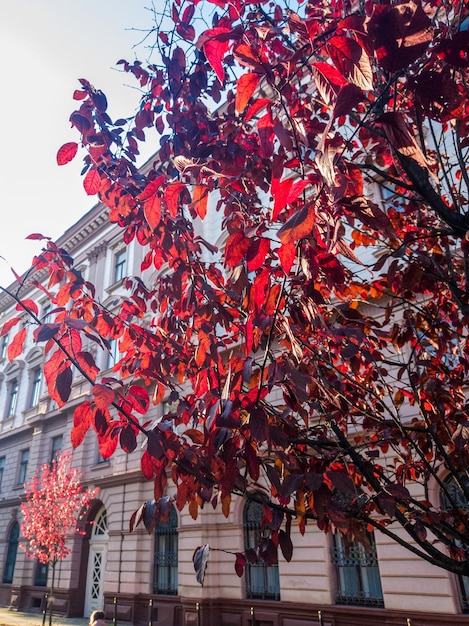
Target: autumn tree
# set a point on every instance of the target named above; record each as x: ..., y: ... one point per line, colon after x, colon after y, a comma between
x: 55, y: 499
x: 331, y: 140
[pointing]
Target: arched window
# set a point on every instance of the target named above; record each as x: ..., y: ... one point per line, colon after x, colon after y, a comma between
x: 12, y: 549
x: 165, y: 563
x: 262, y: 580
x: 357, y: 572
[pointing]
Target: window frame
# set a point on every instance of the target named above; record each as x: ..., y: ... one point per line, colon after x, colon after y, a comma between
x: 12, y: 397
x: 41, y: 574
x: 4, y: 347
x: 165, y: 556
x: 35, y: 389
x: 11, y: 553
x: 2, y: 470
x: 454, y: 492
x: 262, y: 581
x: 55, y: 449
x: 119, y: 265
x: 358, y: 580
x: 23, y: 466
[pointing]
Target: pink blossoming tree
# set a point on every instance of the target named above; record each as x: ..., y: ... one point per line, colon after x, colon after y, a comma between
x: 55, y: 500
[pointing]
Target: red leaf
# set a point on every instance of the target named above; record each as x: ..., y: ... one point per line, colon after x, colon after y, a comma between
x: 328, y: 81
x: 16, y: 346
x: 280, y: 190
x: 87, y: 363
x: 79, y: 95
x: 92, y: 182
x: 287, y: 253
x: 128, y: 439
x: 200, y: 199
x: 235, y: 250
x: 286, y: 545
x: 9, y: 325
x: 245, y: 86
x: 255, y: 107
x: 67, y: 153
x: 138, y: 396
x: 63, y: 385
x: 36, y: 236
x: 151, y: 188
x: 256, y: 253
x: 152, y: 211
x: 171, y: 196
x: 240, y: 564
x: 81, y: 423
x: 103, y: 396
x: 252, y: 462
x: 107, y: 444
x: 27, y: 305
x: 149, y: 465
x: 215, y: 43
x: 347, y: 99
x: 265, y: 128
x: 299, y: 225
x: 351, y: 61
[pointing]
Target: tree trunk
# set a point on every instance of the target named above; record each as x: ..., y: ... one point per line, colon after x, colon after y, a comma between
x: 51, y: 596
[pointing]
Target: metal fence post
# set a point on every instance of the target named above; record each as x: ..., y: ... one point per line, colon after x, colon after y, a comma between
x: 321, y: 623
x: 150, y: 607
x: 44, y: 609
x: 114, y: 619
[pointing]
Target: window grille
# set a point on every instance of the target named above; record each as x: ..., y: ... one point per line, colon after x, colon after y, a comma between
x: 165, y: 568
x: 262, y: 580
x: 357, y: 573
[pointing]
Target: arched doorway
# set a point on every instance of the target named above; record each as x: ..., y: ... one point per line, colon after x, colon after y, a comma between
x: 99, y: 538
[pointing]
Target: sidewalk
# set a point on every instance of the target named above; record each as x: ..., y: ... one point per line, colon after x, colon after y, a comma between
x: 15, y: 618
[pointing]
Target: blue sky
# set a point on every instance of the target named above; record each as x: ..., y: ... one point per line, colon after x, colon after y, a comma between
x: 45, y: 46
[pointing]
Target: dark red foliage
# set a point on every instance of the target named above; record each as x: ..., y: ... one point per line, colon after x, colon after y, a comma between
x: 320, y: 361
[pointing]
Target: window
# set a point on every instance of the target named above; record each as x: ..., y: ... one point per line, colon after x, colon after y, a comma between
x: 453, y: 497
x: 56, y: 447
x: 262, y: 580
x: 40, y: 575
x: 12, y: 397
x: 165, y: 564
x: 35, y: 387
x: 113, y: 355
x: 12, y: 549
x: 4, y: 346
x: 24, y: 458
x: 46, y: 317
x: 357, y: 572
x: 119, y: 266
x: 2, y: 468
